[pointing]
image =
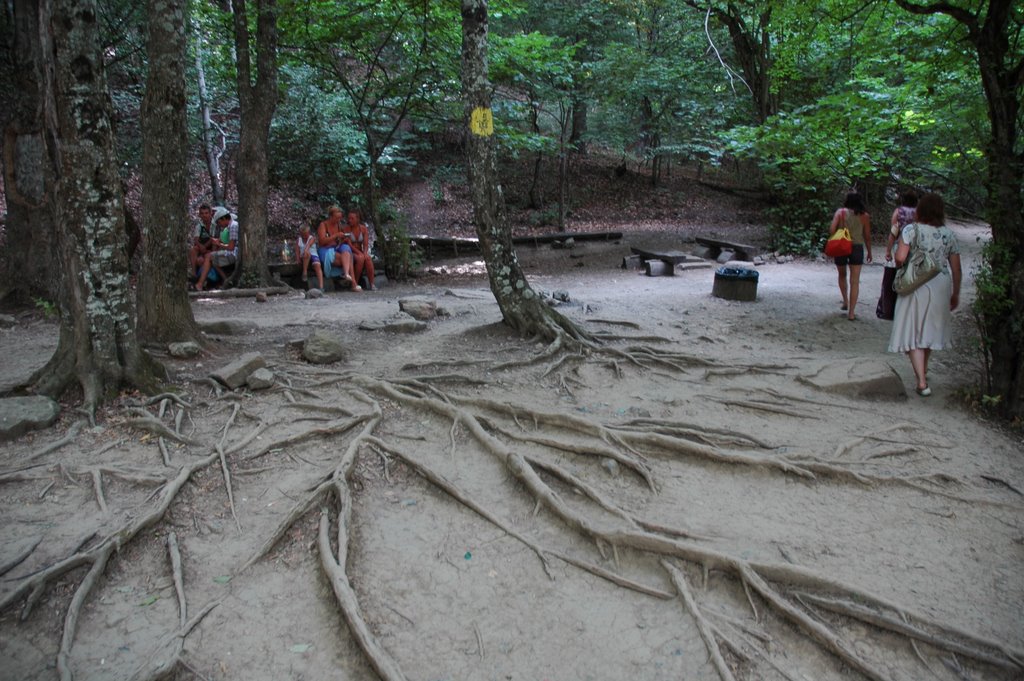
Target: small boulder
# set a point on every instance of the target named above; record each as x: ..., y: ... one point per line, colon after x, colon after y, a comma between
x: 235, y: 375
x: 322, y: 348
x: 228, y: 327
x: 184, y: 350
x: 314, y: 293
x: 405, y: 326
x: 7, y: 321
x: 261, y: 379
x: 863, y: 379
x: 19, y: 415
x: 418, y: 308
x: 261, y: 297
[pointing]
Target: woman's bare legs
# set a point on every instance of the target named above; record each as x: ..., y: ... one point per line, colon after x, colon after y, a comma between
x: 842, y: 285
x: 854, y: 291
x: 343, y: 259
x: 919, y: 361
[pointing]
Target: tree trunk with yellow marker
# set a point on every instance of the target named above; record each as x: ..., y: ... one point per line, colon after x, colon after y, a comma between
x: 521, y: 307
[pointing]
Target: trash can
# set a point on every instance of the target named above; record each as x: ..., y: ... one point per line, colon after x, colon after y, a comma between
x: 735, y: 284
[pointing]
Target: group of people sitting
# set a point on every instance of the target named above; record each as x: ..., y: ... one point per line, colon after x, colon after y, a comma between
x: 338, y: 250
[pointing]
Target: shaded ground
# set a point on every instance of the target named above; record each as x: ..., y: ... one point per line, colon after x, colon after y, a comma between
x: 932, y: 525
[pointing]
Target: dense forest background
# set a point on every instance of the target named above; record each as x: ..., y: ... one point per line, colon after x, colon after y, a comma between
x: 295, y: 106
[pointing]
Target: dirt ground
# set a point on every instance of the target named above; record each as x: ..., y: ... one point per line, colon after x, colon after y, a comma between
x: 688, y: 485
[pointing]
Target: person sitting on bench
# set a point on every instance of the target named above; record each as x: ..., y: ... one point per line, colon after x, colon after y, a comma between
x: 336, y: 248
x: 223, y: 247
x: 201, y: 237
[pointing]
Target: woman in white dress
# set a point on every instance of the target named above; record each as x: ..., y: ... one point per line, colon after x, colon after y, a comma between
x: 923, y: 317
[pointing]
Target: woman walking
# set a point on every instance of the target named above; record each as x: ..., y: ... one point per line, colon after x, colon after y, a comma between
x: 855, y: 218
x: 923, y: 317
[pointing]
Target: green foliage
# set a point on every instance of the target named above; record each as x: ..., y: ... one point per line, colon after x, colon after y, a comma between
x: 313, y: 141
x: 401, y: 256
x: 48, y: 308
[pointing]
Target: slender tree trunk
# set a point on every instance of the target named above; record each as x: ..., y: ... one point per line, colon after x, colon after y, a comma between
x: 212, y: 148
x: 27, y: 257
x: 165, y: 313
x: 521, y: 307
x: 536, y: 198
x: 98, y: 344
x: 258, y: 100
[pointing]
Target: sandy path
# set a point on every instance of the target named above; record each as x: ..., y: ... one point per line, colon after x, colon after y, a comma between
x: 451, y: 596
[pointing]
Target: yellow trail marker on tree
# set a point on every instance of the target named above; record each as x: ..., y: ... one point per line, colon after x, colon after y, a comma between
x: 481, y: 122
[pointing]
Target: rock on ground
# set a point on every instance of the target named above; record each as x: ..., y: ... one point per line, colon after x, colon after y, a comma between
x: 321, y: 347
x: 235, y: 375
x: 19, y: 415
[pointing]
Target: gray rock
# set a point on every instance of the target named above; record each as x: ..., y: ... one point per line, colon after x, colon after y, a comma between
x: 406, y: 326
x: 7, y: 321
x: 228, y: 327
x: 322, y: 348
x: 261, y: 379
x: 19, y: 415
x: 418, y: 308
x: 561, y: 295
x: 610, y: 465
x: 261, y: 297
x: 235, y: 375
x: 314, y: 293
x: 184, y: 349
x: 740, y: 265
x: 862, y: 378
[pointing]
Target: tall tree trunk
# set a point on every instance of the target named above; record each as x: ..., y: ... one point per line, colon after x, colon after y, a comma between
x: 163, y: 305
x: 98, y: 344
x: 212, y: 148
x: 27, y: 258
x: 258, y: 100
x: 535, y: 194
x: 1002, y: 76
x: 579, y: 125
x: 521, y: 307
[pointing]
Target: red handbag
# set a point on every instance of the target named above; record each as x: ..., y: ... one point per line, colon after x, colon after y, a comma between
x: 840, y: 244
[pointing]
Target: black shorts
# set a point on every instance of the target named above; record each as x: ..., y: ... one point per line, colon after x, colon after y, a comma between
x: 855, y: 258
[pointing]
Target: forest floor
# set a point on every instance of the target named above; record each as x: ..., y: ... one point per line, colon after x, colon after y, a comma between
x: 684, y: 505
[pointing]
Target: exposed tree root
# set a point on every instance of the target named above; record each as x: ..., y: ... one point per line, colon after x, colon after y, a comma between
x: 773, y: 584
x: 705, y: 628
x: 32, y: 587
x: 17, y: 560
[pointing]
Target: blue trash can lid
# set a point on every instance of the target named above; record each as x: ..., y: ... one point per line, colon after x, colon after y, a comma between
x: 736, y: 273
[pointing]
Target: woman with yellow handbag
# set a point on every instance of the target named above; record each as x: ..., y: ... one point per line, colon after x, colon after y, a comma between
x: 854, y: 218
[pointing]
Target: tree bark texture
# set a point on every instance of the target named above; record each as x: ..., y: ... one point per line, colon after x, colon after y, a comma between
x: 164, y: 311
x: 98, y: 344
x: 258, y: 100
x: 521, y: 307
x: 27, y: 257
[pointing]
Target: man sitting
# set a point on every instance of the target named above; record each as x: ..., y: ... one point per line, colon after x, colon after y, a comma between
x: 201, y: 237
x: 223, y: 249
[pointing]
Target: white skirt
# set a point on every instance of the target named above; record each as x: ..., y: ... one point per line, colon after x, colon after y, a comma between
x: 923, y: 318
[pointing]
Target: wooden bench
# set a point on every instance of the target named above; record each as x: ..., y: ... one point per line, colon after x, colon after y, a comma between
x: 661, y: 263
x: 716, y: 246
